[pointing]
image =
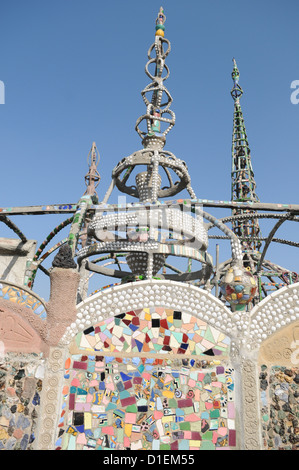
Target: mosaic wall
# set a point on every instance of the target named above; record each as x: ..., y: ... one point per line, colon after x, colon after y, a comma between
x: 144, y: 402
x: 20, y: 388
x: 154, y: 330
x: 22, y: 297
x: 279, y: 391
x: 147, y: 404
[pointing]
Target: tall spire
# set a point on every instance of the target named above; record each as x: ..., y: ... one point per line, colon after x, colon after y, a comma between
x: 159, y: 119
x: 243, y: 183
x: 92, y: 178
x: 153, y: 94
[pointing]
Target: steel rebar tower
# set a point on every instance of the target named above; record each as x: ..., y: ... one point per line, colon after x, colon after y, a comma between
x: 245, y: 222
x: 243, y: 184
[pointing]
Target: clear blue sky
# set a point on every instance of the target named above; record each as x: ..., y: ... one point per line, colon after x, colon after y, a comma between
x: 73, y: 72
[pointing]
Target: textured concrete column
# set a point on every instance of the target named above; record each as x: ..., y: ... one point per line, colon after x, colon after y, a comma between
x: 250, y: 405
x: 51, y: 400
x: 61, y: 308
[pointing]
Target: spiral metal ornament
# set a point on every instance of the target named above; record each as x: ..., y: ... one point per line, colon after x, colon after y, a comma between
x: 159, y: 120
x: 155, y: 109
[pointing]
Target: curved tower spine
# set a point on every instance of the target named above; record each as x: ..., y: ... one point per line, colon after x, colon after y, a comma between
x: 157, y: 121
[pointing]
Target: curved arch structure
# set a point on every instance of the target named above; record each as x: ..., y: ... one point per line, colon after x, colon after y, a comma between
x: 272, y: 314
x: 150, y: 293
x: 150, y: 362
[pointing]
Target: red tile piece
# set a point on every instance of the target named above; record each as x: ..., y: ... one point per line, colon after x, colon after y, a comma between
x: 128, y: 401
x: 137, y: 380
x: 72, y: 401
x: 185, y: 403
x: 164, y: 324
x: 80, y: 365
x: 232, y: 437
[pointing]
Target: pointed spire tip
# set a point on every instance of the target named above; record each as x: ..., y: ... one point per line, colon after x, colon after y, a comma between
x: 161, y: 18
x: 235, y: 63
x: 237, y: 91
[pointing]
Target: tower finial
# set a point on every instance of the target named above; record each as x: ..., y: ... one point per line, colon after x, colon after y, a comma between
x: 236, y: 91
x: 158, y: 121
x: 160, y: 28
x: 156, y: 111
x: 92, y: 178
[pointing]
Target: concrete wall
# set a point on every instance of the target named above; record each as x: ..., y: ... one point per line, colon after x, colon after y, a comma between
x: 13, y: 258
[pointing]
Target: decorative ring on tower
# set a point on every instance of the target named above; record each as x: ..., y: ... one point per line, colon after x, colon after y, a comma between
x: 143, y: 157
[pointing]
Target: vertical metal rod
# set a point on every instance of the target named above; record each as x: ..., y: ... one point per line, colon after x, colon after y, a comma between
x: 217, y: 268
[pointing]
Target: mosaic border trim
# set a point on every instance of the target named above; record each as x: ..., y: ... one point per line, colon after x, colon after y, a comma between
x: 150, y: 293
x: 22, y: 296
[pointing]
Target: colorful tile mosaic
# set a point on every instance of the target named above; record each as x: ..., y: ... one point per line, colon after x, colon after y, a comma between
x: 146, y: 403
x: 279, y: 393
x: 21, y: 380
x: 154, y: 330
x: 238, y: 287
x: 23, y: 297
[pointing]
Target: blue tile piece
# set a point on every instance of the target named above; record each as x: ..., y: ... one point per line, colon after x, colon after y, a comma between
x: 184, y: 444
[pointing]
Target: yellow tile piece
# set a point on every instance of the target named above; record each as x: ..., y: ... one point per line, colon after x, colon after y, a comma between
x: 87, y: 420
x: 3, y: 434
x: 128, y: 430
x: 168, y: 394
x: 196, y: 425
x: 167, y: 419
x: 194, y: 443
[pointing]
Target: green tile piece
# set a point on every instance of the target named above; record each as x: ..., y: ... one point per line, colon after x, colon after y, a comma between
x: 209, y: 336
x: 131, y: 409
x: 207, y: 435
x: 214, y: 413
x: 111, y: 406
x: 185, y: 426
x: 120, y: 435
x: 207, y: 445
x: 178, y: 336
x: 172, y: 403
x: 188, y: 410
x: 165, y: 447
